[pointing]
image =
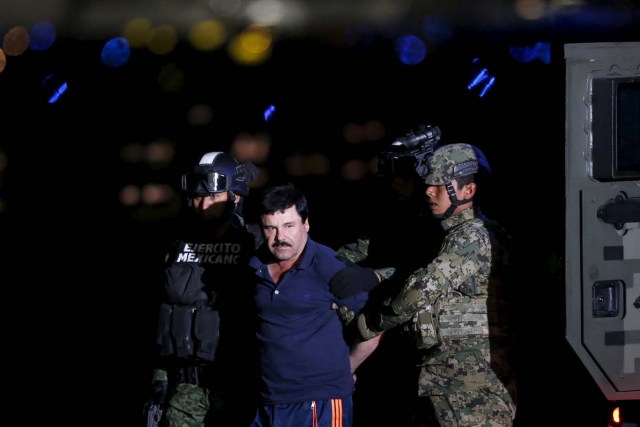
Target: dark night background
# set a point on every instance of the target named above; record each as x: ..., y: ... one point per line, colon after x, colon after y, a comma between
x: 82, y: 271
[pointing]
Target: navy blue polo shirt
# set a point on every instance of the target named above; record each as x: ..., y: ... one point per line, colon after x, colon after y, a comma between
x: 303, y: 355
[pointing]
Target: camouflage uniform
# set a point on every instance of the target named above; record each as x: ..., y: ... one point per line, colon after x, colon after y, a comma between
x: 447, y: 306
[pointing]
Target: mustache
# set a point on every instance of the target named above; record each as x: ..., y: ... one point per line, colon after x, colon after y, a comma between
x: 280, y: 244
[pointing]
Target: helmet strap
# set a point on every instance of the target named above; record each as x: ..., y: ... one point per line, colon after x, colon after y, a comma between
x: 455, y: 202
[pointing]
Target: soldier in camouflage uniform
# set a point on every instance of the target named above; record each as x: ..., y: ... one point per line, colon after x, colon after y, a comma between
x: 448, y: 305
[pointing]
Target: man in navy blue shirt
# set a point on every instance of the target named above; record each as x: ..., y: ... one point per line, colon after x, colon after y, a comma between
x: 306, y: 379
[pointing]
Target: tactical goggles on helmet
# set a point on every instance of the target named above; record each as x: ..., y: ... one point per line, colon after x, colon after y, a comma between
x: 204, y: 182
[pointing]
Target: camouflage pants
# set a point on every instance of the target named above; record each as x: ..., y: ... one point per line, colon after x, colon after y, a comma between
x: 188, y: 407
x: 465, y: 409
x: 462, y: 391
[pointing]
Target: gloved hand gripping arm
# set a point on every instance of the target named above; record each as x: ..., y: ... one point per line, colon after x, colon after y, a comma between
x: 373, y: 321
x: 419, y: 289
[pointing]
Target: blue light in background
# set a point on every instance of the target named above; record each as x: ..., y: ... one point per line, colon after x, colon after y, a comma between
x: 410, y: 50
x: 116, y: 52
x: 482, y: 75
x: 436, y: 30
x: 487, y: 86
x: 481, y: 80
x: 269, y: 112
x: 42, y: 36
x: 54, y: 87
x: 58, y: 93
x: 541, y: 51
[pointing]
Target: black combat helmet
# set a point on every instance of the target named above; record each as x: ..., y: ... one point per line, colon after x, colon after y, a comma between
x: 217, y: 172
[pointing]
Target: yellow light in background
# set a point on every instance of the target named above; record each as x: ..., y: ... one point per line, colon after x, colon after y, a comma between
x: 156, y: 194
x: 252, y: 46
x: 256, y: 39
x: 312, y: 164
x: 372, y: 130
x: 139, y: 32
x: 530, y: 10
x: 199, y: 115
x: 164, y: 39
x: 130, y: 195
x: 207, y: 35
x: 16, y: 41
x: 253, y: 148
x: 354, y: 170
x: 157, y: 154
x: 160, y: 153
x: 318, y: 164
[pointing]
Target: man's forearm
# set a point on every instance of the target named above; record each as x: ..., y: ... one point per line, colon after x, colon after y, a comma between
x: 361, y: 350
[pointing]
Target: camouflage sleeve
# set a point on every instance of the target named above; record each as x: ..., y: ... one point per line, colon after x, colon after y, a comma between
x: 419, y: 289
x: 463, y: 255
x: 355, y: 252
x: 447, y: 272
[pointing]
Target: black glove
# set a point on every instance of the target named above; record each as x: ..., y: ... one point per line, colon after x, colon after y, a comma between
x: 351, y: 280
x: 159, y: 391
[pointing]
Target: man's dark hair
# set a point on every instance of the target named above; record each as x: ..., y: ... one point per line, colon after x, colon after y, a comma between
x: 281, y: 197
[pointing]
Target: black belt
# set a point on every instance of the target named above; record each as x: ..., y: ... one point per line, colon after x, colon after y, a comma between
x: 190, y: 375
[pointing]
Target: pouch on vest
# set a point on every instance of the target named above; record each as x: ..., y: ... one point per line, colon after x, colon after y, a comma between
x: 184, y: 283
x: 163, y: 333
x: 181, y: 330
x: 206, y: 332
x: 423, y: 329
